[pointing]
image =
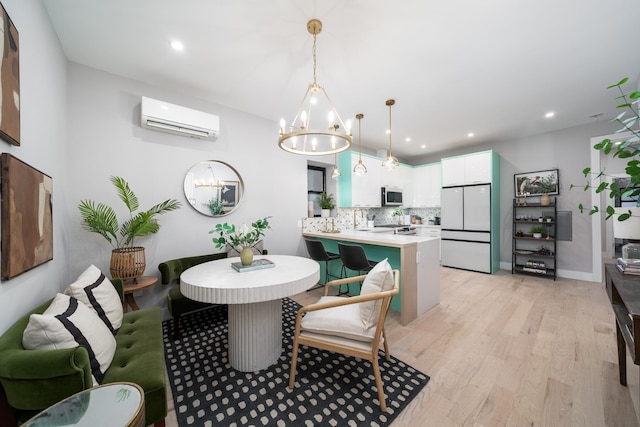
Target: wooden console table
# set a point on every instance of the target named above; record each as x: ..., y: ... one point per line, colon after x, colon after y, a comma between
x: 624, y: 293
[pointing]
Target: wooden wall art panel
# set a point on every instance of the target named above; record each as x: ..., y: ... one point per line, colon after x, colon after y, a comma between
x: 9, y: 80
x: 27, y: 223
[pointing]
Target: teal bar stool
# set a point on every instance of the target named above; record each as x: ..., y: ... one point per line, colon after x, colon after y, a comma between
x: 318, y: 253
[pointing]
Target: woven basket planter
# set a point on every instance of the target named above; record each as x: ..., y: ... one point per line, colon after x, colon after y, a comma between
x: 127, y: 263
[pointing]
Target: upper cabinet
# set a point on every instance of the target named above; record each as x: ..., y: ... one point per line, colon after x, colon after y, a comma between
x: 470, y: 169
x: 359, y: 191
x: 427, y: 185
x: 365, y: 189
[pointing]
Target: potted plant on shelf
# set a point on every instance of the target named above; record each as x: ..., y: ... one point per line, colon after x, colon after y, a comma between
x: 327, y: 204
x: 537, y: 231
x: 127, y: 261
x: 243, y: 239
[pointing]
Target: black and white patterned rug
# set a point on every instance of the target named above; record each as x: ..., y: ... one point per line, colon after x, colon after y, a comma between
x: 331, y: 389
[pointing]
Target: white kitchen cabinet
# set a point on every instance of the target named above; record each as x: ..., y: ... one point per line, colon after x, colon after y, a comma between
x: 427, y: 185
x: 477, y: 168
x: 430, y: 231
x: 435, y: 184
x: 365, y: 189
x: 421, y: 185
x: 392, y: 178
x: 452, y: 171
x: 471, y: 169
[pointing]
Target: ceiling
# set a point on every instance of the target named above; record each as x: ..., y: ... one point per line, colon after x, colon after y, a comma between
x: 493, y: 68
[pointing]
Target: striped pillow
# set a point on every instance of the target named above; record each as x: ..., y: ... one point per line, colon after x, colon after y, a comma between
x: 67, y: 323
x: 97, y: 292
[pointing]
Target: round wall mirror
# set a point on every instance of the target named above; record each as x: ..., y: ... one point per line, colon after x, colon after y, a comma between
x: 213, y: 188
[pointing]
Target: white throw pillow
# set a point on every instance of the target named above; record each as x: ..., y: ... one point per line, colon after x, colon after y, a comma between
x: 343, y: 321
x: 68, y: 323
x: 379, y: 279
x: 93, y: 289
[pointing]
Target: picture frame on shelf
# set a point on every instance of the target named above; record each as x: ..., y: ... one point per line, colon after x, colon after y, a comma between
x: 531, y: 184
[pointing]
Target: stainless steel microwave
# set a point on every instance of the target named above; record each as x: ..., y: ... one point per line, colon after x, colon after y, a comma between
x: 391, y: 196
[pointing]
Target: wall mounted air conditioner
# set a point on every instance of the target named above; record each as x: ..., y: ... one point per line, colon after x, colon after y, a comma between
x: 165, y: 117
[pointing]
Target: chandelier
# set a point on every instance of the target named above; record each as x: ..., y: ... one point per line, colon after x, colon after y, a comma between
x: 208, y: 182
x: 359, y: 169
x: 306, y: 134
x: 390, y: 162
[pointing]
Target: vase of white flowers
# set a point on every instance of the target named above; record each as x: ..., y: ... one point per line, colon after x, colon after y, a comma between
x: 242, y: 239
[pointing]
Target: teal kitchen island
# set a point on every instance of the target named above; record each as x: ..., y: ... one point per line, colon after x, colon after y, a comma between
x: 417, y: 258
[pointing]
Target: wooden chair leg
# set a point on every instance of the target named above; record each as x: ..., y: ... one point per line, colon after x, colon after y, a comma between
x: 294, y: 362
x: 386, y: 345
x: 376, y: 373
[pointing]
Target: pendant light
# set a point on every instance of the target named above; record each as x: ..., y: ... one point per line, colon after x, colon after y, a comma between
x: 390, y: 162
x: 335, y: 174
x: 359, y: 169
x: 305, y: 134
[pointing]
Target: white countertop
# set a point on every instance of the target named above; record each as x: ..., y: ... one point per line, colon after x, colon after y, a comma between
x: 373, y: 237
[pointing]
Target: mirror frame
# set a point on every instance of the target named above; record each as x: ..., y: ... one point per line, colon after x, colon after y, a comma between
x: 191, y: 186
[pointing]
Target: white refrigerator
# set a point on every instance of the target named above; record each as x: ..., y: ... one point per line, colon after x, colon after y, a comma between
x: 466, y: 227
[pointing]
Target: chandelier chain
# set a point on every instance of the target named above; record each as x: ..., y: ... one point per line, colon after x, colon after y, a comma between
x: 314, y: 61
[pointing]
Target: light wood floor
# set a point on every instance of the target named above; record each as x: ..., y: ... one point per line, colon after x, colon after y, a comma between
x: 505, y: 350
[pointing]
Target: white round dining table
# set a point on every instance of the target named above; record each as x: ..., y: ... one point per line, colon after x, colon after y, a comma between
x: 255, y: 302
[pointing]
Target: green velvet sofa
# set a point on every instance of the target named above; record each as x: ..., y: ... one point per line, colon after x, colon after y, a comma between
x: 33, y: 380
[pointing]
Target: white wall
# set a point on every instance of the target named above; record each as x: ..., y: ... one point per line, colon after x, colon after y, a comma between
x: 105, y: 138
x: 43, y: 120
x: 566, y: 150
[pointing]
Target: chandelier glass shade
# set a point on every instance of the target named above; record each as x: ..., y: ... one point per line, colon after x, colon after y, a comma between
x: 316, y: 129
x: 359, y: 169
x: 391, y: 162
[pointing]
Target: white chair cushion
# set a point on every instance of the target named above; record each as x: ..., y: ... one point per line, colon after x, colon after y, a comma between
x: 93, y: 289
x: 379, y: 279
x: 68, y: 323
x: 343, y: 321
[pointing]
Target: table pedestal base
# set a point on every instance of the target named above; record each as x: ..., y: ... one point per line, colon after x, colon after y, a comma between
x: 255, y: 335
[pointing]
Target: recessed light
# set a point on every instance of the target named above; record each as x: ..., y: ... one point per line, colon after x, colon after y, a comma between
x: 550, y: 114
x: 177, y: 45
x: 423, y: 146
x: 388, y: 131
x: 408, y: 140
x: 470, y: 135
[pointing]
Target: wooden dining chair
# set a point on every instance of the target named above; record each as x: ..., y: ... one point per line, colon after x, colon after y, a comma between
x: 353, y: 326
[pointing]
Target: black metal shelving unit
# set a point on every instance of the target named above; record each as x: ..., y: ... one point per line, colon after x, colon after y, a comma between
x: 529, y: 255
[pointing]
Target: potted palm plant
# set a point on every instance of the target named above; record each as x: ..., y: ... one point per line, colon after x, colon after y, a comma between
x: 127, y: 261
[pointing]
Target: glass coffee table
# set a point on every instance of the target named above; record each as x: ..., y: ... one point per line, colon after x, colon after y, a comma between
x: 108, y: 405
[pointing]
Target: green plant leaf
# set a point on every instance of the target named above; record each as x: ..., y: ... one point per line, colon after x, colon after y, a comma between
x: 125, y: 194
x: 620, y: 83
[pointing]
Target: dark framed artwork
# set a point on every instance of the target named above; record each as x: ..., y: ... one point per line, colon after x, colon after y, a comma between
x: 27, y: 222
x: 9, y: 81
x: 229, y: 194
x: 536, y: 183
